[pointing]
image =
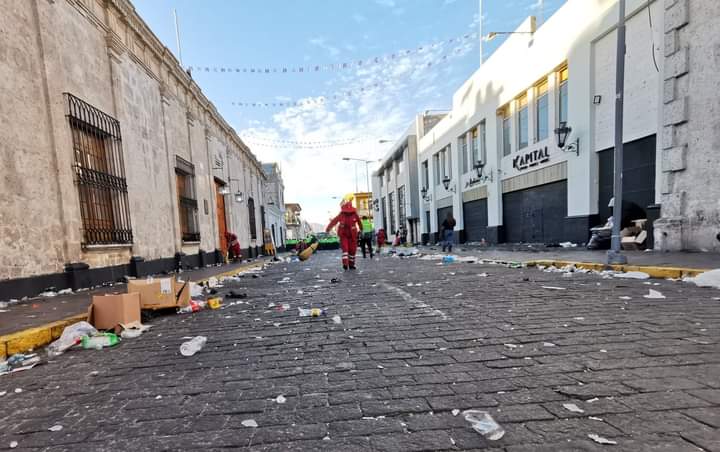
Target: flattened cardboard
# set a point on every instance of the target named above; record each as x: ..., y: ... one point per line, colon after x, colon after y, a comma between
x: 182, y: 293
x: 108, y: 311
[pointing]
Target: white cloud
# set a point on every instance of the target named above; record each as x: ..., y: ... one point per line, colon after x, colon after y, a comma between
x: 313, y: 176
x: 359, y: 18
x: 322, y: 43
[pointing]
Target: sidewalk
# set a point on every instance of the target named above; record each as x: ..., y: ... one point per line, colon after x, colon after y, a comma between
x: 665, y: 264
x: 36, y: 321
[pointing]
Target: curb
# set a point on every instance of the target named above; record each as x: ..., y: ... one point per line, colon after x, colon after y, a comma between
x: 38, y: 336
x: 653, y: 271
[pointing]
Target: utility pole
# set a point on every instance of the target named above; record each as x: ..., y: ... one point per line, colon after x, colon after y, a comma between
x: 177, y: 36
x: 614, y: 255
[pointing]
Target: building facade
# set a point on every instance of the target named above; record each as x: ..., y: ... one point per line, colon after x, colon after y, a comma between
x: 115, y: 162
x: 274, y: 195
x: 362, y: 202
x: 494, y: 161
x: 690, y: 128
x: 395, y: 196
x: 297, y: 227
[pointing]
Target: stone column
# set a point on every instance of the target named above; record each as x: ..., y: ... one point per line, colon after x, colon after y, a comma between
x: 668, y: 230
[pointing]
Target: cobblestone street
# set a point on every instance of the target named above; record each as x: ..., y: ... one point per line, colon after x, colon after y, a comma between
x: 418, y: 340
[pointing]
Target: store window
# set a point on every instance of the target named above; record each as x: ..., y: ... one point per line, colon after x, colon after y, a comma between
x: 436, y: 168
x: 522, y: 122
x: 541, y: 112
x: 187, y: 202
x: 505, y: 118
x: 425, y: 175
x: 462, y: 144
x: 563, y: 95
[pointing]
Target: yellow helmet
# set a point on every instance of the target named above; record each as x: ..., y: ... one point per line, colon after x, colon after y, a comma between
x: 347, y: 199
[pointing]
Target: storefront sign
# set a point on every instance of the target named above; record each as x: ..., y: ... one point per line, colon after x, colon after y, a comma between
x: 531, y: 158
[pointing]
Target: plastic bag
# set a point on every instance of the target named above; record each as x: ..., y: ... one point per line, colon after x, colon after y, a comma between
x: 70, y: 336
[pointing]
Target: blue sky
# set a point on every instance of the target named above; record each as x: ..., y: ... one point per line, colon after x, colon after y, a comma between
x: 384, y: 97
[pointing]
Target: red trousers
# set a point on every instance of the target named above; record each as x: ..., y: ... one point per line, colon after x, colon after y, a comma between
x: 348, y: 243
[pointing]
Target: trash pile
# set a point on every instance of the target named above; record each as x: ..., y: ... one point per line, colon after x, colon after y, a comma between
x: 19, y: 362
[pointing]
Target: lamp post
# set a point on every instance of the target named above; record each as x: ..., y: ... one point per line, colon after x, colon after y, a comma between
x: 614, y: 255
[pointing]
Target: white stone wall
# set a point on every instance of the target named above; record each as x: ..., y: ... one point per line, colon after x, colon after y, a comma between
x: 689, y: 182
x: 104, y: 54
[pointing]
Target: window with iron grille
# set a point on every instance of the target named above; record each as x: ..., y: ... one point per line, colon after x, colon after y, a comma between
x: 391, y: 212
x: 251, y: 215
x: 187, y: 200
x: 401, y: 206
x: 99, y: 174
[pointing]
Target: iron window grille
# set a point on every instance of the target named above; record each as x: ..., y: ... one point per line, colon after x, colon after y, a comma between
x: 99, y: 174
x: 187, y: 202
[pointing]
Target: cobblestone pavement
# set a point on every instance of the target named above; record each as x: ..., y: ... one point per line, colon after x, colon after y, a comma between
x: 418, y: 339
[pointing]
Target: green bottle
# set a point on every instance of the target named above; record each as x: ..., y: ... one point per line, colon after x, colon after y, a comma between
x: 100, y: 341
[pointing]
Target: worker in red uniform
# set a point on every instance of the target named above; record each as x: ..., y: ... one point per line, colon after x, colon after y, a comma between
x: 349, y: 224
x: 380, y: 240
x: 233, y: 246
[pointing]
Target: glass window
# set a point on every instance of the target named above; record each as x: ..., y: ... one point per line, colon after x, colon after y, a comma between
x: 436, y: 168
x: 449, y: 161
x: 462, y: 143
x: 563, y: 95
x: 475, y: 154
x: 507, y: 146
x: 541, y: 112
x: 381, y: 179
x: 425, y: 175
x: 522, y: 120
x: 483, y: 143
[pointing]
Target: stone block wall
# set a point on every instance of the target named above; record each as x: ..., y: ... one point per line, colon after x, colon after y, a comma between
x: 690, y: 173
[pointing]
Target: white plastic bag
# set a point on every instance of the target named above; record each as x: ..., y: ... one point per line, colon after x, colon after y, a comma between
x: 69, y: 337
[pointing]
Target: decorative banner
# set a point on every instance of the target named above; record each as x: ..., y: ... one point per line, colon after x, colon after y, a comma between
x: 258, y: 140
x: 332, y: 66
x: 338, y: 96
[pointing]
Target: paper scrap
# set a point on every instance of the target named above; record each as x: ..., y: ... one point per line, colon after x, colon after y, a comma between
x: 553, y: 288
x: 280, y: 399
x: 573, y: 408
x: 600, y: 440
x: 249, y: 423
x: 654, y: 294
x: 56, y: 428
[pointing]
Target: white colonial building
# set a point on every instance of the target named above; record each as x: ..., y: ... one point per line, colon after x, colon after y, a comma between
x: 494, y: 161
x: 274, y: 191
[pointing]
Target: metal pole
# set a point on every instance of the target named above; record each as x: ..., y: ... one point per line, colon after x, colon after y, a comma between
x: 480, y: 30
x: 614, y: 255
x: 177, y: 37
x: 356, y: 178
x: 367, y: 175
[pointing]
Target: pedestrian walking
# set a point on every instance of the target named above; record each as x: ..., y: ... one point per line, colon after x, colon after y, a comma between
x: 349, y: 224
x: 233, y: 245
x: 403, y: 235
x: 366, y: 237
x: 380, y: 239
x: 447, y: 232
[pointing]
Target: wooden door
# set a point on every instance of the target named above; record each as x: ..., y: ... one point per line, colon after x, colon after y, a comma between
x: 222, y: 226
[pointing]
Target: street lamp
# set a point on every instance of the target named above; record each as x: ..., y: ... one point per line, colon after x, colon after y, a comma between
x: 446, y: 183
x: 562, y: 133
x: 367, y: 170
x: 494, y: 34
x: 479, y: 166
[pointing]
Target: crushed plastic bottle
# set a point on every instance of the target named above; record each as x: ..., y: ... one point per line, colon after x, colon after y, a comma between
x: 100, y: 341
x: 312, y: 312
x: 484, y: 424
x: 448, y: 259
x: 193, y: 346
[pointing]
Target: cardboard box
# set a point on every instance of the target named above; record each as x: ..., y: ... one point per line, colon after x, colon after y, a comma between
x: 108, y: 311
x: 640, y: 238
x: 628, y: 244
x: 160, y: 293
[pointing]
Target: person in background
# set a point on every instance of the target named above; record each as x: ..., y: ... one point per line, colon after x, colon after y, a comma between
x: 447, y: 233
x: 347, y: 220
x: 366, y: 237
x: 403, y: 235
x: 233, y: 244
x: 380, y: 239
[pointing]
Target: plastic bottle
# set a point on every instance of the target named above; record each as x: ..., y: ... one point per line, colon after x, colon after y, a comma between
x: 484, y: 424
x: 100, y: 341
x: 192, y: 346
x: 448, y: 259
x: 312, y: 312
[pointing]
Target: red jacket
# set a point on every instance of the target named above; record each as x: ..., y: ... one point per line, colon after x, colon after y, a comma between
x: 347, y: 219
x: 381, y: 236
x: 233, y: 243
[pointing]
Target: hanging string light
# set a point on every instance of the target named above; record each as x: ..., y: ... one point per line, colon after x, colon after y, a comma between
x: 290, y: 69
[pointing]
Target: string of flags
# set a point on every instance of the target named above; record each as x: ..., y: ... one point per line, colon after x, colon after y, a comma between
x: 337, y: 96
x: 257, y: 140
x: 470, y: 37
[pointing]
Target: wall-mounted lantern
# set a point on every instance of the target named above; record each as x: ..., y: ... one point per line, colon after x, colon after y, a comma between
x: 562, y: 133
x: 446, y: 183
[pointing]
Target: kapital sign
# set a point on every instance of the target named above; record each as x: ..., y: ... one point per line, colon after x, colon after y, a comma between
x: 531, y: 158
